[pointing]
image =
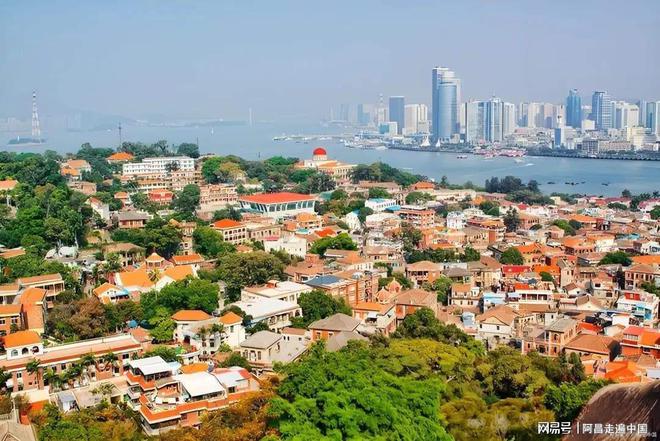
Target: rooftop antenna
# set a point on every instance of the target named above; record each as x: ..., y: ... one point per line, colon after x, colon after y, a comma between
x: 36, y: 130
x: 120, y: 140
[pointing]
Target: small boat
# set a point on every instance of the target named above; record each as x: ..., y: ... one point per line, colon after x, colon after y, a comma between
x: 605, y: 183
x: 461, y: 156
x: 518, y: 160
x: 551, y: 182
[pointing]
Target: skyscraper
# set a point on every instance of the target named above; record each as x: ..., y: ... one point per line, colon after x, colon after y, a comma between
x: 493, y: 122
x: 397, y: 112
x: 653, y: 117
x: 446, y: 91
x: 601, y: 110
x: 485, y: 120
x: 508, y: 118
x: 574, y: 109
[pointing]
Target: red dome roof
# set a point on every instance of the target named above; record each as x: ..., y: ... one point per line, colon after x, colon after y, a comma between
x: 319, y: 151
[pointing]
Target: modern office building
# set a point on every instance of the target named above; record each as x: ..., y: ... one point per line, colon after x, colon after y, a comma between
x: 508, y: 118
x: 601, y: 110
x: 574, y: 109
x: 397, y: 112
x: 653, y: 117
x: 416, y: 119
x: 642, y: 105
x: 446, y: 92
x: 485, y: 120
x: 625, y: 114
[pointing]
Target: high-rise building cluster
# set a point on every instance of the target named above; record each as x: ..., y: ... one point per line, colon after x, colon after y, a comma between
x: 451, y: 120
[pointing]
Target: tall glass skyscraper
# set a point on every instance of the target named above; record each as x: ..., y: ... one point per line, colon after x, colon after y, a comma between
x: 446, y: 96
x: 601, y: 110
x: 574, y: 109
x: 397, y: 112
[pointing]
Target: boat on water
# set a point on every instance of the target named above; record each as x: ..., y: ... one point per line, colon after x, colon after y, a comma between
x: 518, y: 160
x: 461, y: 156
x: 551, y: 182
x: 425, y: 143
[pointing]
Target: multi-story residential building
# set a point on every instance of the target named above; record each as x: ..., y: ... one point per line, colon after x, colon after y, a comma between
x: 638, y: 340
x: 277, y: 314
x: 375, y: 317
x: 278, y: 205
x: 417, y: 216
x: 641, y: 304
x: 423, y: 271
x: 205, y: 333
x: 167, y: 398
x: 265, y: 348
x: 232, y: 231
x: 549, y: 340
x: 158, y: 166
x: 132, y: 219
x: 324, y: 329
x: 25, y: 346
x: 275, y: 289
x: 411, y: 300
x: 500, y: 324
x: 214, y: 197
x: 638, y: 274
x: 291, y: 244
x: 53, y: 284
x: 464, y: 295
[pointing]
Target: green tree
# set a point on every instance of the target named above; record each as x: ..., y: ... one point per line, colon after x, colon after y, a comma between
x: 162, y: 325
x: 470, y: 255
x: 564, y: 225
x: 546, y: 276
x: 342, y: 241
x: 616, y: 257
x: 188, y: 149
x: 187, y: 201
x: 511, y: 220
x: 566, y: 399
x: 316, y: 305
x: 167, y: 353
x: 246, y: 269
x: 188, y: 293
x: 442, y: 286
x: 209, y: 242
x: 227, y: 213
x: 512, y: 256
x: 379, y: 193
x: 655, y: 213
x: 416, y: 197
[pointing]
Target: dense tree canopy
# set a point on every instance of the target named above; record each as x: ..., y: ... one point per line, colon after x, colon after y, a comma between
x: 185, y: 294
x: 342, y: 241
x: 246, y: 269
x: 208, y: 242
x: 512, y: 256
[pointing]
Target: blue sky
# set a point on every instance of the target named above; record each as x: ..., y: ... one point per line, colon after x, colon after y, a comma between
x: 297, y: 58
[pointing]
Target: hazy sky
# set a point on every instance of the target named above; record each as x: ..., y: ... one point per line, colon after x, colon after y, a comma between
x: 297, y: 58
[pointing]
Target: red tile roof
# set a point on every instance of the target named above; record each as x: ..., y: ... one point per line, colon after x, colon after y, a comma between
x: 275, y: 198
x: 21, y: 338
x: 190, y: 315
x: 226, y: 223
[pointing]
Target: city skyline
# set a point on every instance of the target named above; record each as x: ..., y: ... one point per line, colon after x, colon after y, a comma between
x: 131, y: 71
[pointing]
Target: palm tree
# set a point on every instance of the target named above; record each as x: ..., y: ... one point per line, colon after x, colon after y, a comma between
x: 52, y: 378
x: 86, y: 361
x: 34, y: 367
x: 217, y: 328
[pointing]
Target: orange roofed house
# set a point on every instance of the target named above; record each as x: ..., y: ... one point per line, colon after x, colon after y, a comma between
x: 24, y: 346
x: 232, y: 231
x: 278, y: 205
x: 119, y: 157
